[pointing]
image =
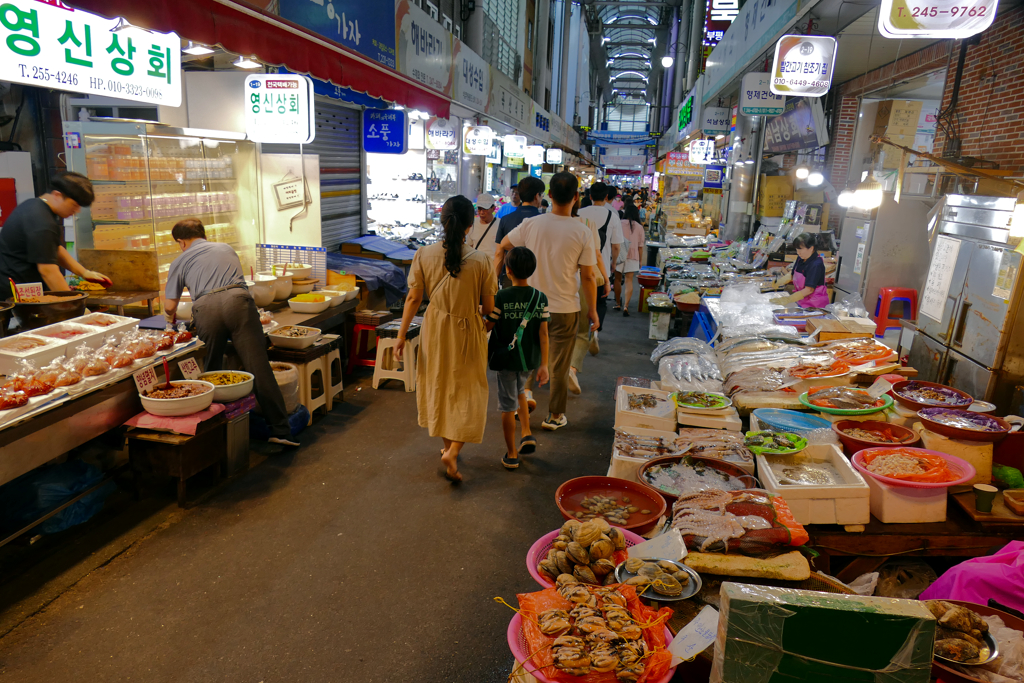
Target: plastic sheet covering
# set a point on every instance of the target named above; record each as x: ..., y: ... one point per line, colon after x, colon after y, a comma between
x: 770, y: 634
x: 375, y: 273
x: 678, y: 345
x: 679, y: 370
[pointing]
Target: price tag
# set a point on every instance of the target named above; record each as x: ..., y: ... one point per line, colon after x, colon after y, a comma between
x: 190, y: 368
x: 668, y: 546
x: 145, y: 380
x: 29, y: 289
x: 696, y: 636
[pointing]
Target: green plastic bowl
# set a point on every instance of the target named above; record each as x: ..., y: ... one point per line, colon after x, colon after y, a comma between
x: 841, y: 411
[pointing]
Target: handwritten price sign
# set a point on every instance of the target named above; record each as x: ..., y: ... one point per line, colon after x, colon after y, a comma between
x: 935, y: 18
x: 29, y: 289
x: 190, y: 368
x: 145, y: 380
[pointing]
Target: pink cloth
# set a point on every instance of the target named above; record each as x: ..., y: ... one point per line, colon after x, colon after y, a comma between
x: 998, y: 576
x: 186, y: 424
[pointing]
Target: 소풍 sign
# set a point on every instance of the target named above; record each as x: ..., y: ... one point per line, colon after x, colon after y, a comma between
x: 935, y: 18
x: 279, y: 108
x: 803, y: 65
x: 757, y: 98
x: 384, y: 131
x: 51, y: 45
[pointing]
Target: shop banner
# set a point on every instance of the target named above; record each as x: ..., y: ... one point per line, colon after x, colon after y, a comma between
x: 713, y: 176
x: 757, y: 98
x: 507, y: 102
x: 716, y: 120
x: 472, y: 78
x: 540, y: 124
x: 50, y: 45
x: 366, y: 27
x: 554, y: 156
x: 678, y: 163
x: 935, y: 18
x: 514, y: 162
x: 477, y: 140
x: 424, y: 48
x: 702, y: 152
x: 279, y: 109
x: 689, y: 115
x: 534, y: 155
x: 385, y: 131
x: 797, y: 128
x: 441, y: 134
x: 803, y: 65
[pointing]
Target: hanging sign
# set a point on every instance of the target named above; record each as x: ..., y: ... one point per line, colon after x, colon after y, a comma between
x: 535, y: 171
x: 494, y: 155
x: 515, y: 146
x: 384, y: 131
x: 757, y: 98
x: 803, y: 65
x: 513, y: 162
x: 713, y: 176
x: 936, y: 19
x: 441, y: 134
x: 716, y: 121
x: 554, y: 156
x: 366, y: 27
x: 50, y: 45
x: 279, y: 108
x: 718, y: 18
x: 702, y: 151
x: 678, y: 163
x: 534, y: 155
x: 477, y: 140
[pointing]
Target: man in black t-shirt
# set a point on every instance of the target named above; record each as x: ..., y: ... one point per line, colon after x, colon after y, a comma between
x: 32, y: 237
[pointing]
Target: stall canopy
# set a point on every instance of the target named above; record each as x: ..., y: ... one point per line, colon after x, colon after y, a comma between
x: 246, y: 30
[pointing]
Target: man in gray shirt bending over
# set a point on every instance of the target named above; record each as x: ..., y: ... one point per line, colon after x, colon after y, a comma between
x: 223, y: 309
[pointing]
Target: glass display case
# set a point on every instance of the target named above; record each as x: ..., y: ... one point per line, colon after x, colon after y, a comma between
x: 151, y: 178
x: 442, y: 180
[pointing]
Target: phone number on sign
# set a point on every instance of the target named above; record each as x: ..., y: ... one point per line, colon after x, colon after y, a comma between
x: 95, y: 84
x: 804, y: 83
x: 963, y: 11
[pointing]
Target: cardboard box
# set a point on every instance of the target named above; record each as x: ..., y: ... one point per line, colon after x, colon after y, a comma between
x: 773, y: 194
x: 829, y: 330
x: 781, y: 635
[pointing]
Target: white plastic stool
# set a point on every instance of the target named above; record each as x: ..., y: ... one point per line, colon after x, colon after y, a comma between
x: 385, y: 367
x: 311, y: 374
x: 332, y: 376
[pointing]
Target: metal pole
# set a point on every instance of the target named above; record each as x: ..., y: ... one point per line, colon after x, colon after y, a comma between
x: 696, y: 23
x: 759, y: 121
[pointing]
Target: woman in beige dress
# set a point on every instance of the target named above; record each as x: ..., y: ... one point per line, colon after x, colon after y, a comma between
x: 451, y: 375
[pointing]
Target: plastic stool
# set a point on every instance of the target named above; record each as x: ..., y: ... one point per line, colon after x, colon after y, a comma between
x: 644, y: 292
x: 332, y: 376
x: 886, y: 297
x: 354, y: 357
x: 312, y: 393
x: 386, y: 362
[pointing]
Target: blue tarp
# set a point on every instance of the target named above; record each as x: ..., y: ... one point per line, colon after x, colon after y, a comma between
x: 376, y: 273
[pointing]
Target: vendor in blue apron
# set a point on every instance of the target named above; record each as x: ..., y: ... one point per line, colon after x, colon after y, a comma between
x: 807, y: 276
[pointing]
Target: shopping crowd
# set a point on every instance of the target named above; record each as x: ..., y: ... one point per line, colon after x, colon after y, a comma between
x: 530, y: 314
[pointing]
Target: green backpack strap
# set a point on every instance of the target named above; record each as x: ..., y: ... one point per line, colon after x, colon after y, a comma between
x: 517, y: 338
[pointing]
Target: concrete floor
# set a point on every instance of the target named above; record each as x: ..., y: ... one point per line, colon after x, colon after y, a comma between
x: 349, y: 560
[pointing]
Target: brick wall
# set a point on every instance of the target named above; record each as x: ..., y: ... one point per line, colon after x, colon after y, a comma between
x: 991, y: 104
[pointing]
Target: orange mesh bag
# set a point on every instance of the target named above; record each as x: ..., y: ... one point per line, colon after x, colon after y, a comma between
x: 657, y: 662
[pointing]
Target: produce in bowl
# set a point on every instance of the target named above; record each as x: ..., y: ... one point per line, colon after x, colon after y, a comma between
x: 184, y: 397
x: 916, y: 395
x: 229, y: 385
x: 774, y: 443
x: 701, y: 400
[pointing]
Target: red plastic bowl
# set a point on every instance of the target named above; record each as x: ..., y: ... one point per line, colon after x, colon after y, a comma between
x: 956, y: 465
x: 649, y: 281
x: 748, y: 480
x: 964, y: 434
x: 852, y: 444
x: 540, y: 548
x: 570, y: 494
x: 916, y: 405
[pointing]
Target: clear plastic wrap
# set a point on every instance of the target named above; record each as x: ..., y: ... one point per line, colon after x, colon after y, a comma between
x: 850, y: 305
x: 682, y: 345
x: 820, y: 437
x: 691, y: 367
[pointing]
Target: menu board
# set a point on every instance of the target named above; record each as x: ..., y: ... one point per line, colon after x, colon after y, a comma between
x: 940, y: 276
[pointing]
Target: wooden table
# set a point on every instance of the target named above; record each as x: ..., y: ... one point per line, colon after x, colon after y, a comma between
x: 958, y: 536
x: 177, y: 455
x: 122, y: 299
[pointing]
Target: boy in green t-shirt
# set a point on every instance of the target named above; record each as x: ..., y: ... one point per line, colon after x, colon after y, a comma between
x: 528, y: 352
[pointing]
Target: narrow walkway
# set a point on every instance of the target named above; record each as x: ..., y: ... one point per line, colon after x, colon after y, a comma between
x: 351, y: 560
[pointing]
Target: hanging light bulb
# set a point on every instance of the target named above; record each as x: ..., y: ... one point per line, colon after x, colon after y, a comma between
x: 667, y: 61
x: 802, y: 172
x: 815, y: 179
x: 846, y: 198
x: 869, y: 194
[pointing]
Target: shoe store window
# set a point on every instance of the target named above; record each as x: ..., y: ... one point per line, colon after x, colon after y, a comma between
x: 396, y: 187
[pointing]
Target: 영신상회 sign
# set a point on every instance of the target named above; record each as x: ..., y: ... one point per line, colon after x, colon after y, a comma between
x: 279, y: 108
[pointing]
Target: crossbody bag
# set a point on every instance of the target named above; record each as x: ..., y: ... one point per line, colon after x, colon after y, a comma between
x: 498, y: 350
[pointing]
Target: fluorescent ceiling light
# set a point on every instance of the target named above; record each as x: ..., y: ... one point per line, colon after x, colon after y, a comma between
x: 623, y: 73
x: 197, y: 49
x: 246, y: 63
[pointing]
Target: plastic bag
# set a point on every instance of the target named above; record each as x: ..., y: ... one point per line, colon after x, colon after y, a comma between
x: 978, y: 579
x: 45, y: 488
x: 287, y: 376
x: 688, y: 368
x: 850, y: 305
x: 821, y: 437
x: 905, y: 579
x: 681, y: 345
x: 864, y: 584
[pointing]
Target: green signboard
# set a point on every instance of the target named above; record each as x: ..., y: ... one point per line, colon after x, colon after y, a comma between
x: 686, y: 113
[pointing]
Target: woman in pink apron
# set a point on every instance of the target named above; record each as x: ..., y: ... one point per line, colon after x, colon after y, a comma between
x: 807, y: 276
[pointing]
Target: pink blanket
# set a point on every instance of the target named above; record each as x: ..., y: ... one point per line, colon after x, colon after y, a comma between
x: 186, y: 424
x: 998, y: 576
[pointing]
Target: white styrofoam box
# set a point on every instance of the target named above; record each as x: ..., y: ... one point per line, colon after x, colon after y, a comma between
x: 626, y: 466
x: 123, y: 323
x: 89, y: 336
x: 662, y: 418
x: 40, y: 356
x: 848, y: 503
x: 726, y: 418
x: 658, y: 329
x: 905, y: 505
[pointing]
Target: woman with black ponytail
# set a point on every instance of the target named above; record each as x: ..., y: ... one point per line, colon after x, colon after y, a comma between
x: 451, y: 371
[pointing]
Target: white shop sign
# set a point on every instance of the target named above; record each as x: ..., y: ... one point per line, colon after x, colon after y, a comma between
x: 803, y: 65
x: 935, y: 18
x: 757, y: 98
x: 441, y: 134
x: 515, y: 145
x: 715, y: 120
x: 554, y: 156
x: 702, y: 151
x: 477, y: 140
x: 940, y: 277
x: 55, y: 46
x: 534, y: 155
x: 279, y: 109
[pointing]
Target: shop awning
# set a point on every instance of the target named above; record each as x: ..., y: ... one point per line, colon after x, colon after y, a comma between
x: 246, y: 30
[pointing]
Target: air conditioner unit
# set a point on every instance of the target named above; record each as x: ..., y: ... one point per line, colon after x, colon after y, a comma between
x: 432, y: 9
x: 446, y: 21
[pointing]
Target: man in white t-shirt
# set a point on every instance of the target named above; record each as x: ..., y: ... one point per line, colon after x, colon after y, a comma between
x: 486, y: 224
x: 608, y: 236
x: 564, y: 246
x: 598, y: 213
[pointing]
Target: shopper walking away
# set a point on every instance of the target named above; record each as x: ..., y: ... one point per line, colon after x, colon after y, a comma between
x: 511, y: 206
x: 529, y: 191
x: 629, y: 258
x: 451, y: 371
x: 609, y: 231
x: 564, y: 247
x: 586, y: 339
x: 485, y: 225
x: 223, y: 309
x: 518, y: 345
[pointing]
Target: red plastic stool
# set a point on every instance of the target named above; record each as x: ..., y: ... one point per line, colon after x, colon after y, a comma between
x: 367, y: 357
x: 886, y: 296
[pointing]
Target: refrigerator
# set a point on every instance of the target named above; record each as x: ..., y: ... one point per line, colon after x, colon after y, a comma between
x: 970, y: 327
x: 879, y: 248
